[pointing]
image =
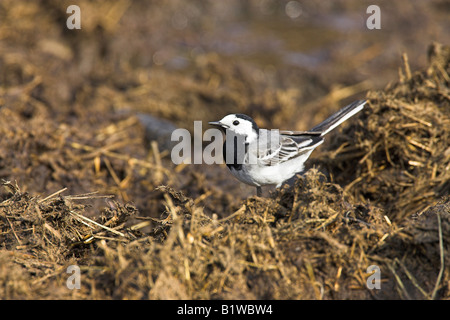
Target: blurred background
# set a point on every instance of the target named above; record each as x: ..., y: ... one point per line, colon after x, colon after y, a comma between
x: 219, y: 57
x: 288, y: 64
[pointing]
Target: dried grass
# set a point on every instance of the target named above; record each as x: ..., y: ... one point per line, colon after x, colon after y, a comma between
x: 399, y: 146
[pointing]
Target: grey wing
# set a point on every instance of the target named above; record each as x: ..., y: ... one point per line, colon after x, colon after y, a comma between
x: 285, y: 147
x: 280, y: 146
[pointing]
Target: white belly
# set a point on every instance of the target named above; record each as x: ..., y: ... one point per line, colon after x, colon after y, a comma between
x: 255, y: 175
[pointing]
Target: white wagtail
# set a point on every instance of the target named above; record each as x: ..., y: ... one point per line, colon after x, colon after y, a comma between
x: 261, y: 157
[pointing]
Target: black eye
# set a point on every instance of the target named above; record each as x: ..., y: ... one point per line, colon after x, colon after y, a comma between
x: 235, y: 122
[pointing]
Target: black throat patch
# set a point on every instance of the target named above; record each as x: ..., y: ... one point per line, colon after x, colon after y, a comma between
x: 235, y: 157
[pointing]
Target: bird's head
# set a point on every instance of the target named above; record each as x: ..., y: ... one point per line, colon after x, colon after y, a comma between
x: 239, y: 124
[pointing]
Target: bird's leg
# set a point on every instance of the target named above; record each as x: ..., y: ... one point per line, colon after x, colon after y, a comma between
x: 258, y: 191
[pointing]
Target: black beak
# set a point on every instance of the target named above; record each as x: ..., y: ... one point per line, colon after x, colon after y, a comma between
x: 219, y: 124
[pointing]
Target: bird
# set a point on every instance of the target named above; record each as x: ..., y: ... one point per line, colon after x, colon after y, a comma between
x: 260, y: 157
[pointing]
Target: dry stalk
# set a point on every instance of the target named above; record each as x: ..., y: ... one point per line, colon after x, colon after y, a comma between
x: 441, y: 251
x: 96, y: 223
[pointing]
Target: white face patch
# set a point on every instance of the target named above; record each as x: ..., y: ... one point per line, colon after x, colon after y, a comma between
x: 239, y: 126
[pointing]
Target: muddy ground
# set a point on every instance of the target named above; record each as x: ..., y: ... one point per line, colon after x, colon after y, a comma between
x: 84, y: 183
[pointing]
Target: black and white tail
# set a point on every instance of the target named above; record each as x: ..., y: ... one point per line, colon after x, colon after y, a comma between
x: 339, y: 117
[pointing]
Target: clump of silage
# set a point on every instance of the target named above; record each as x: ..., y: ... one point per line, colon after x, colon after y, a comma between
x: 398, y: 153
